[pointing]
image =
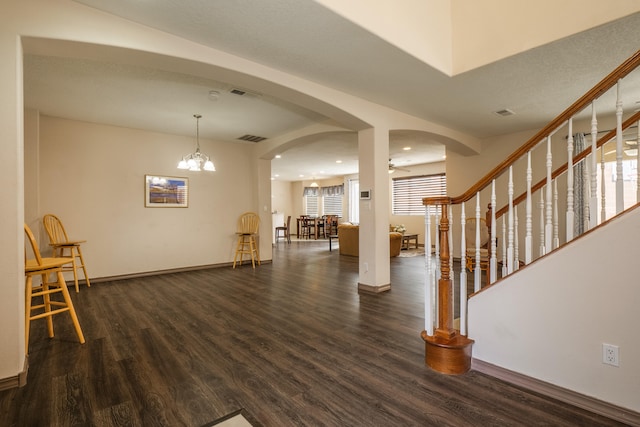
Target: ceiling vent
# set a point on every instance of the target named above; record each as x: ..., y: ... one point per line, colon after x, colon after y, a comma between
x: 252, y: 138
x: 244, y: 92
x: 504, y: 113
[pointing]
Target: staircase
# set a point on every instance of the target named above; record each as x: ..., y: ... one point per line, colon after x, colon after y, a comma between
x: 562, y: 250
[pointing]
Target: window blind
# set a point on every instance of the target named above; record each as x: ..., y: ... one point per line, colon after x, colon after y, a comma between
x: 408, y: 192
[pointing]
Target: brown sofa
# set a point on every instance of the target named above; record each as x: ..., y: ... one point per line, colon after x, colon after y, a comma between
x: 349, y: 235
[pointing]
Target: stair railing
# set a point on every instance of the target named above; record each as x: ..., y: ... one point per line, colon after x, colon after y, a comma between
x: 511, y: 245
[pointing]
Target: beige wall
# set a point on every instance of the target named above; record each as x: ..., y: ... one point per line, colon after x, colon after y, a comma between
x: 92, y: 177
x: 281, y: 198
x: 455, y: 36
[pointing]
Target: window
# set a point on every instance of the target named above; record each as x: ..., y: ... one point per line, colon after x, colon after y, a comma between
x: 311, y: 207
x: 332, y: 205
x: 311, y: 201
x: 408, y: 192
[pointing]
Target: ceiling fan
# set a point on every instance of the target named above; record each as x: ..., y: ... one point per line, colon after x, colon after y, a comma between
x: 393, y: 168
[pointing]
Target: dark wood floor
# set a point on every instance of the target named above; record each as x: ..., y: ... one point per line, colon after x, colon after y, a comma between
x: 293, y: 343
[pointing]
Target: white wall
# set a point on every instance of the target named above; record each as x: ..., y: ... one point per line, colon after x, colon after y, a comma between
x: 281, y: 198
x: 549, y: 320
x: 92, y: 177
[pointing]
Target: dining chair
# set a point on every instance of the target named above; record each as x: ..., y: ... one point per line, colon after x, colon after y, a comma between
x: 286, y: 229
x: 309, y: 227
x: 332, y: 224
x: 248, y: 226
x: 45, y: 305
x: 63, y: 247
x: 321, y: 224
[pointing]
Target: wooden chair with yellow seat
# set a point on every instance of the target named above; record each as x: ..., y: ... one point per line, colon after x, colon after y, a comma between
x: 43, y: 267
x: 63, y: 247
x: 248, y: 227
x: 470, y: 234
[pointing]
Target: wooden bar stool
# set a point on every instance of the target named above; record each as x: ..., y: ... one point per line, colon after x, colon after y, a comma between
x: 248, y: 225
x: 44, y: 267
x: 65, y: 248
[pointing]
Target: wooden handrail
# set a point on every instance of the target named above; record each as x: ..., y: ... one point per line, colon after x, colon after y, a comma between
x: 562, y: 169
x: 604, y: 85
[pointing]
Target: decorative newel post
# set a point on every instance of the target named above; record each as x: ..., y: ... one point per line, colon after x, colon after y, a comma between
x: 446, y: 351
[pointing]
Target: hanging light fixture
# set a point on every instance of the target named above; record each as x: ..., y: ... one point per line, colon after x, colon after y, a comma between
x: 197, y: 161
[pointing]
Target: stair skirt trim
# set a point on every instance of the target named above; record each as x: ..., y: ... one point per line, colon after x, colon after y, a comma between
x: 590, y: 404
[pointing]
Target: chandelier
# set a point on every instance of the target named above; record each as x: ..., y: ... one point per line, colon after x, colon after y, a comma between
x: 197, y: 161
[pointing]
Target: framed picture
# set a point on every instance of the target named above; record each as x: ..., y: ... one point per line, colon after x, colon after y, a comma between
x: 166, y: 192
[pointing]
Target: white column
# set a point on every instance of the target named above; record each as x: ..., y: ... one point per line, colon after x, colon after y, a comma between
x: 12, y: 350
x: 262, y: 184
x: 374, y: 266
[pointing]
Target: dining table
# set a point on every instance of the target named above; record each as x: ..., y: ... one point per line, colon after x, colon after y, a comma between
x: 303, y: 221
x: 315, y: 221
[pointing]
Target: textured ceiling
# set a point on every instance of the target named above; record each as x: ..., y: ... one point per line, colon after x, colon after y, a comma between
x: 303, y: 38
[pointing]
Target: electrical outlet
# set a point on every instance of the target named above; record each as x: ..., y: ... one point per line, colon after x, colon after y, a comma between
x: 610, y: 355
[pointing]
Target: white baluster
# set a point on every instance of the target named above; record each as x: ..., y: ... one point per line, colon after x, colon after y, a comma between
x: 592, y: 217
x: 638, y: 164
x: 477, y: 271
x: 548, y: 227
x: 493, y: 261
x: 556, y: 239
x: 516, y: 246
x: 541, y: 205
x: 586, y: 211
x: 603, y: 191
x: 619, y: 172
x: 504, y: 246
x: 463, y: 273
x: 528, y: 238
x: 510, y: 236
x: 429, y: 284
x: 437, y: 257
x: 570, y: 213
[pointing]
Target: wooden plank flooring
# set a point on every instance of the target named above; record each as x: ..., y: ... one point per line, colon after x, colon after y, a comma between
x: 292, y: 342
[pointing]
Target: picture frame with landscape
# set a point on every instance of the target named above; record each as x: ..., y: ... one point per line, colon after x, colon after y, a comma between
x: 166, y: 191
